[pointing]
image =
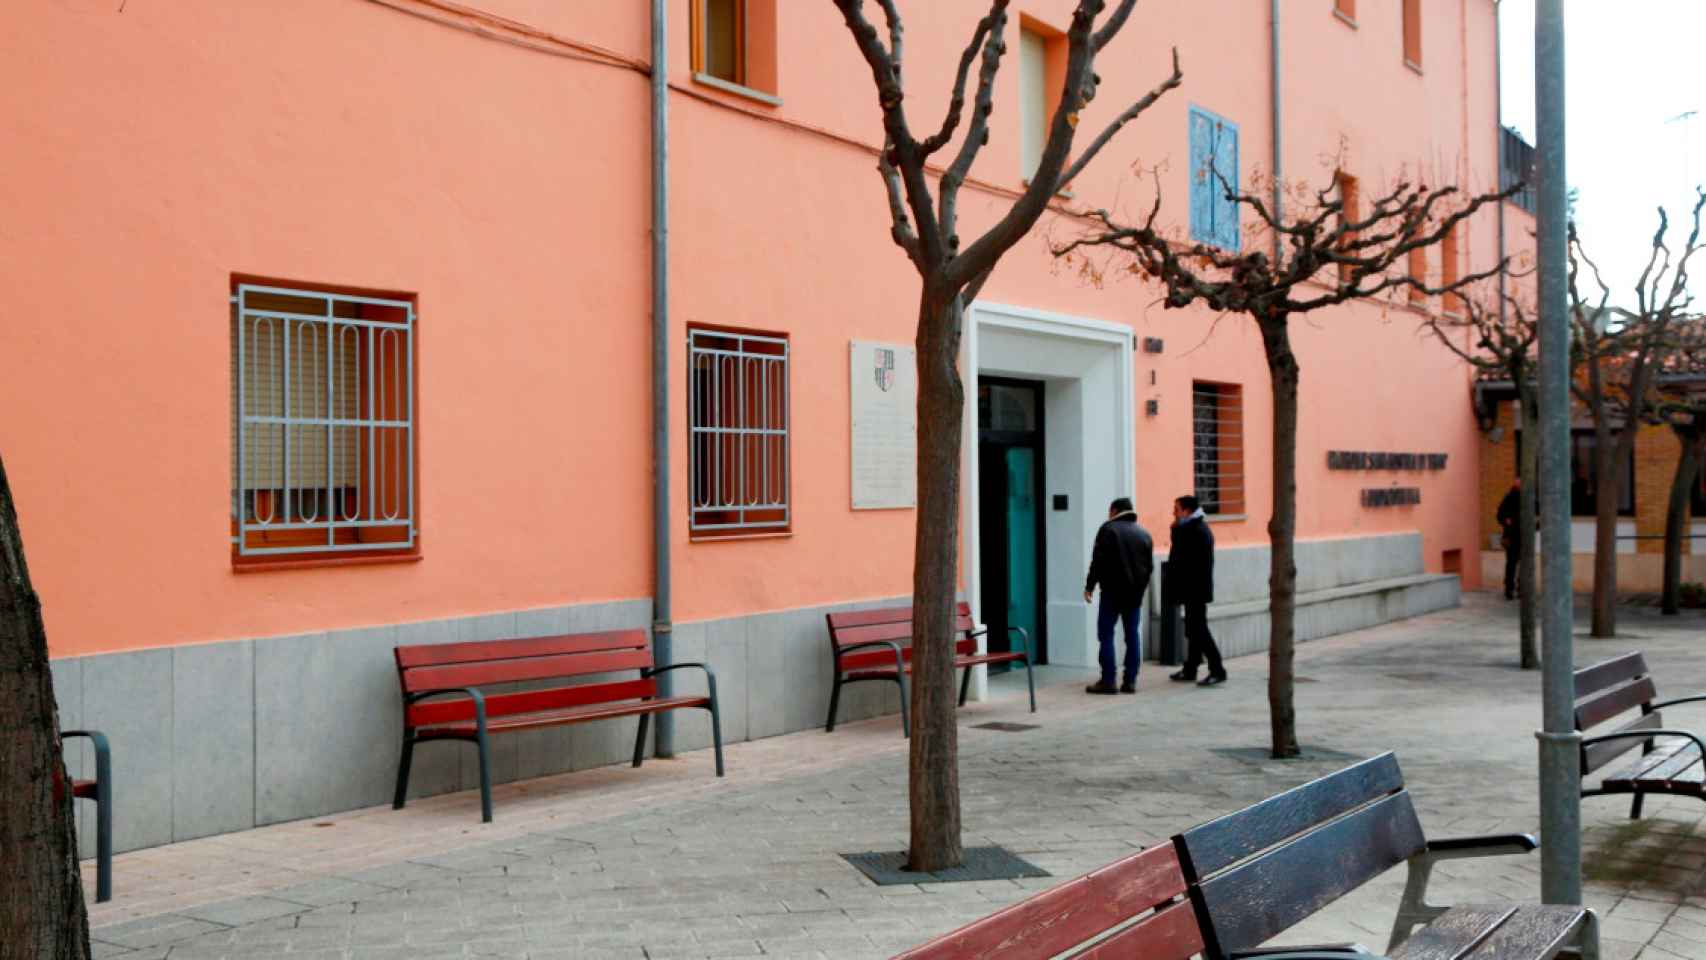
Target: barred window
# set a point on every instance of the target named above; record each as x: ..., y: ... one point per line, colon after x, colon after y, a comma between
x: 322, y: 424
x: 737, y: 418
x: 1217, y: 414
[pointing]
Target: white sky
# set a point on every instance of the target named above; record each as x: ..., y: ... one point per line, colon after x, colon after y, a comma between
x: 1632, y: 66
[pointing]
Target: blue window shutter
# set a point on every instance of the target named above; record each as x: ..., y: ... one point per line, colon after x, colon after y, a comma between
x: 1226, y: 163
x: 1201, y: 179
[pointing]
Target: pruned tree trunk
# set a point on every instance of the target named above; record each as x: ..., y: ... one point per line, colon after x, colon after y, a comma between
x: 1282, y: 537
x: 1605, y: 530
x: 934, y: 780
x: 42, y: 914
x: 1528, y: 596
x: 1677, y: 515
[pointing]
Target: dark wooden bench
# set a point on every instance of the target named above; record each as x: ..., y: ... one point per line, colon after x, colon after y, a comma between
x: 100, y: 790
x: 1670, y: 760
x: 460, y: 670
x: 1255, y: 873
x: 877, y: 645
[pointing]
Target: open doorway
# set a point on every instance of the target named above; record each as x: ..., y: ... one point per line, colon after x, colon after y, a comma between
x: 1011, y: 536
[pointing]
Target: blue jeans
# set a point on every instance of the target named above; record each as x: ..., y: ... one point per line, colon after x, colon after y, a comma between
x: 1108, y: 612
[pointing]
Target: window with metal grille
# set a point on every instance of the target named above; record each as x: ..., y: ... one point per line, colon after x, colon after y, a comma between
x: 1217, y: 426
x: 737, y: 425
x: 322, y: 424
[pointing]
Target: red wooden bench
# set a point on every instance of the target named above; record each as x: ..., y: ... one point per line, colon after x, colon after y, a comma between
x: 459, y: 670
x: 1147, y: 887
x: 877, y: 645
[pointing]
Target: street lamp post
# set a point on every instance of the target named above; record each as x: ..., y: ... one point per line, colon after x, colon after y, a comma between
x: 1560, y: 744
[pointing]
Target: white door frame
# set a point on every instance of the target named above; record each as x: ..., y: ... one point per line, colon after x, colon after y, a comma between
x: 984, y: 314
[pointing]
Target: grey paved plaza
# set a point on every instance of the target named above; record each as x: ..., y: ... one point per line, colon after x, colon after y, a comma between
x: 665, y: 862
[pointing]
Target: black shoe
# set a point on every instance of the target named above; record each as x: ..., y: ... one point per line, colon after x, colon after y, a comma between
x: 1130, y: 687
x: 1212, y: 680
x: 1100, y: 687
x: 1183, y: 676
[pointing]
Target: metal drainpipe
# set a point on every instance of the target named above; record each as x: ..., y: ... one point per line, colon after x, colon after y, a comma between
x: 1274, y: 56
x: 1560, y: 745
x: 1499, y: 141
x: 662, y: 629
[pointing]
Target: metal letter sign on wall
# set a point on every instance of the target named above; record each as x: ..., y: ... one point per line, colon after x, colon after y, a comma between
x: 885, y: 425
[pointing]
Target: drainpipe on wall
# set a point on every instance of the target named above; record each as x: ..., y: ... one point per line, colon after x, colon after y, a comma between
x: 1274, y: 44
x: 1499, y: 142
x: 662, y: 629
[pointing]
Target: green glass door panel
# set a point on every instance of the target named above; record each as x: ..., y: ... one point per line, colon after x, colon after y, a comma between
x: 1023, y: 577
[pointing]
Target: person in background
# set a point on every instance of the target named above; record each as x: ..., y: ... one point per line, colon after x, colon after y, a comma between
x: 1510, y: 513
x: 1120, y: 563
x: 1190, y: 582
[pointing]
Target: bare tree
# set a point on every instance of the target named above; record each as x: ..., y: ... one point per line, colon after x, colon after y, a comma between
x: 42, y: 914
x: 1621, y: 351
x: 1681, y: 404
x: 1503, y: 343
x: 1322, y: 257
x: 926, y: 227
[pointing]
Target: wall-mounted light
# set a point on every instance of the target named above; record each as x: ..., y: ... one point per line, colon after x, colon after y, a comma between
x: 1151, y: 407
x: 1152, y: 345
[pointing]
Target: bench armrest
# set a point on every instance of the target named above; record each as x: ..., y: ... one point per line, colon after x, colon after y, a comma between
x: 1697, y: 698
x: 103, y: 758
x: 471, y: 692
x: 1024, y: 638
x: 710, y: 677
x: 1494, y: 845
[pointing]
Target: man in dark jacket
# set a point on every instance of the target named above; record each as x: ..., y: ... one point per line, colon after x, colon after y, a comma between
x: 1510, y: 514
x: 1190, y: 582
x: 1121, y: 562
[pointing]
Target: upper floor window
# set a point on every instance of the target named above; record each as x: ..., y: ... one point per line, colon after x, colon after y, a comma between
x: 1042, y: 76
x: 322, y: 424
x: 1217, y: 430
x: 1350, y: 212
x: 1214, y: 175
x: 734, y: 46
x: 1413, y: 33
x: 737, y: 432
x: 1449, y: 270
x: 1346, y: 10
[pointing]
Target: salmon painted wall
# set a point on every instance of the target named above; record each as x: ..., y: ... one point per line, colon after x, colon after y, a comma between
x: 506, y: 184
x: 155, y: 152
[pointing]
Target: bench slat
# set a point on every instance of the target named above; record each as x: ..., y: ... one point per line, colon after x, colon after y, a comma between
x: 1610, y: 702
x: 1170, y: 934
x: 554, y: 718
x: 880, y: 657
x: 1253, y: 901
x: 1532, y: 931
x: 480, y: 651
x: 532, y: 668
x: 527, y: 701
x: 860, y: 618
x: 901, y: 631
x: 1209, y: 847
x: 883, y: 664
x: 1670, y: 762
x: 1062, y: 917
x: 1597, y: 755
x: 1609, y: 673
x: 1453, y: 933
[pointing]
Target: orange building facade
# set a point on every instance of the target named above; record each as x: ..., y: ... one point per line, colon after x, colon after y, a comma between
x: 330, y: 329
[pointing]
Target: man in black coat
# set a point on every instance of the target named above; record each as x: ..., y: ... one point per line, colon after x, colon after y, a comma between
x: 1121, y: 562
x: 1190, y: 582
x: 1510, y: 514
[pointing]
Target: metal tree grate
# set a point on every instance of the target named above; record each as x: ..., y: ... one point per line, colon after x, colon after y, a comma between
x: 981, y: 863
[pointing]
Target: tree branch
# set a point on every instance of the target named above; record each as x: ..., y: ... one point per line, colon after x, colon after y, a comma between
x: 956, y: 104
x: 1129, y: 115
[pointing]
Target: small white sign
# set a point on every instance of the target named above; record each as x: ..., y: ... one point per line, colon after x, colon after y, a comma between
x: 885, y: 425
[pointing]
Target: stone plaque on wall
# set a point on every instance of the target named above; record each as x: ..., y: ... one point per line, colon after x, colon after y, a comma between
x: 885, y: 425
